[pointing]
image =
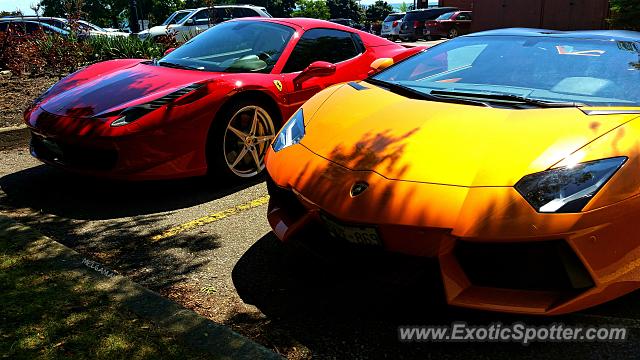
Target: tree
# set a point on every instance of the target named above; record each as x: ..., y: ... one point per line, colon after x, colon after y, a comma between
x: 348, y: 9
x: 312, y: 9
x: 378, y: 10
x: 277, y: 8
x: 404, y: 7
x: 11, y: 13
x: 625, y: 14
x: 101, y: 12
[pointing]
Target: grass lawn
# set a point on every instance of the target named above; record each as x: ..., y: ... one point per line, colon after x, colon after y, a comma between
x: 49, y: 312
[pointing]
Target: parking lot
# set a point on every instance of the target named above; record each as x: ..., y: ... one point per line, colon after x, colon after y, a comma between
x: 208, y: 247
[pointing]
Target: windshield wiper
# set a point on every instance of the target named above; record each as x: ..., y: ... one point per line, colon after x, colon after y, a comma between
x: 176, y: 66
x: 419, y: 95
x: 505, y: 98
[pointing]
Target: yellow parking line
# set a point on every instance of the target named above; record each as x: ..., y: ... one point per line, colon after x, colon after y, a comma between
x: 211, y: 218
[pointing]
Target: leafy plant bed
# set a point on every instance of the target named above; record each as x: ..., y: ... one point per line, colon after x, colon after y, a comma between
x: 16, y: 93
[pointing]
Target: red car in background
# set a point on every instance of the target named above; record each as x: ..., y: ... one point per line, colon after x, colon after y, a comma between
x: 450, y: 25
x: 212, y: 105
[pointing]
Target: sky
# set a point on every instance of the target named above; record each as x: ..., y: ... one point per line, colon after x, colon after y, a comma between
x: 11, y: 5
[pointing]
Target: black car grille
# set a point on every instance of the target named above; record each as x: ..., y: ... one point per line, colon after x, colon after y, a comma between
x: 545, y: 265
x: 74, y: 156
x: 285, y: 198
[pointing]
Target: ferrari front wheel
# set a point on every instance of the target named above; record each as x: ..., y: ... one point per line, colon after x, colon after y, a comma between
x: 242, y: 136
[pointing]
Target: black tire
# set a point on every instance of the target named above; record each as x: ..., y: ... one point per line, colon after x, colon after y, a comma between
x: 223, y: 143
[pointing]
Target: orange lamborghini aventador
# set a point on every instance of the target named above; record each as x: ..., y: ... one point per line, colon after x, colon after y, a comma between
x: 511, y: 156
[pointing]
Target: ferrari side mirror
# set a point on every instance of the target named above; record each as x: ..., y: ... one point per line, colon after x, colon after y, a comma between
x: 380, y: 64
x: 168, y: 51
x: 316, y: 69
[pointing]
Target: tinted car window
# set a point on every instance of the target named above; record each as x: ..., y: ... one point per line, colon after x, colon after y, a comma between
x: 393, y: 17
x: 429, y: 14
x: 446, y: 16
x: 321, y: 45
x: 241, y: 46
x: 244, y: 12
x: 201, y: 17
x: 464, y: 16
x: 32, y: 27
x: 223, y: 14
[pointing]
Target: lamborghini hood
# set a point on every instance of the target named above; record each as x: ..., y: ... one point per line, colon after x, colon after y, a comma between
x: 86, y: 94
x: 444, y: 143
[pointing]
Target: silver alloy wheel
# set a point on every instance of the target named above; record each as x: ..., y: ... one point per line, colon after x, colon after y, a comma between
x: 453, y: 33
x: 246, y: 139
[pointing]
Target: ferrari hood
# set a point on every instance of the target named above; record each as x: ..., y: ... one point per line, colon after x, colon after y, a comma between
x: 86, y: 95
x: 444, y: 143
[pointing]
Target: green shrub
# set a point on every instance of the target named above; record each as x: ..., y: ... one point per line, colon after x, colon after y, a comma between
x: 625, y: 14
x: 53, y: 54
x: 108, y: 48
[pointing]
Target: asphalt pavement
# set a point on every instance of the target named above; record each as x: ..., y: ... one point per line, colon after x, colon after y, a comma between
x: 209, y: 248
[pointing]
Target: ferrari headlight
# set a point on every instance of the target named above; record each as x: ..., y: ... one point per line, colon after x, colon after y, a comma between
x: 567, y: 189
x: 292, y: 132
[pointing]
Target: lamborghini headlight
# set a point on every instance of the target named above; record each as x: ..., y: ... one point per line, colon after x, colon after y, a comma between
x: 292, y: 132
x: 567, y: 189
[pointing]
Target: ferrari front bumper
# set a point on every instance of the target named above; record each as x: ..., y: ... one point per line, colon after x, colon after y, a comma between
x: 495, y: 252
x: 89, y: 147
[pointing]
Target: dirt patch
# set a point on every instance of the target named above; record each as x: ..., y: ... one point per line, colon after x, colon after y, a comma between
x: 16, y: 93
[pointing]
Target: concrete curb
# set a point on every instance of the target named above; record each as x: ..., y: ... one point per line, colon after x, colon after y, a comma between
x: 14, y: 136
x: 192, y: 329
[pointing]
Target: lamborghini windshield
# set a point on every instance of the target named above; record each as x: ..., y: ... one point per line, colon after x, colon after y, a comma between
x: 235, y: 46
x: 544, y: 70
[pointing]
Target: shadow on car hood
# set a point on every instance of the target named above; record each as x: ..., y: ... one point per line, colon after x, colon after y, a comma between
x: 88, y: 95
x: 445, y: 143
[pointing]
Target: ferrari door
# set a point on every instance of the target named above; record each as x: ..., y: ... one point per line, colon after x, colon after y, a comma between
x: 342, y: 48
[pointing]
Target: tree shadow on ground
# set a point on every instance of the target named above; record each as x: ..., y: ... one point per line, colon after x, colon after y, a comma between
x: 60, y: 193
x: 50, y: 308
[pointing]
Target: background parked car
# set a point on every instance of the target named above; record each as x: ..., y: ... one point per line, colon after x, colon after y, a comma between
x: 449, y: 25
x: 391, y: 26
x: 348, y: 22
x: 199, y: 20
x: 412, y: 27
x: 85, y: 28
x: 19, y: 27
x: 177, y: 16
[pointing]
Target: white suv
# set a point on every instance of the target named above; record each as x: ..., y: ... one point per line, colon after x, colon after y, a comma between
x: 199, y: 20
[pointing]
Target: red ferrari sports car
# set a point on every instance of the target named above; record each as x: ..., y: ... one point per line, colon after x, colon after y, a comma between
x: 212, y: 105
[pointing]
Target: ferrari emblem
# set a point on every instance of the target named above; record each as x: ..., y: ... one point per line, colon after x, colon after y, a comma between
x: 358, y: 188
x: 278, y: 84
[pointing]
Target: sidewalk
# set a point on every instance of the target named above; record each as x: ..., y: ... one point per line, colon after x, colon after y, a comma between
x: 54, y: 303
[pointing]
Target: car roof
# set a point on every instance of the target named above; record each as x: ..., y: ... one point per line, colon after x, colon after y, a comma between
x: 32, y: 17
x: 303, y: 23
x: 32, y: 22
x: 434, y: 8
x: 309, y: 23
x: 231, y: 6
x: 619, y: 35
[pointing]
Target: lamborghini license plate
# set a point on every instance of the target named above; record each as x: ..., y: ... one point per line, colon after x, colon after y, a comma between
x: 360, y: 235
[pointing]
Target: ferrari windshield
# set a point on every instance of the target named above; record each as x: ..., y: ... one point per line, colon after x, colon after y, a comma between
x: 549, y: 69
x: 235, y: 46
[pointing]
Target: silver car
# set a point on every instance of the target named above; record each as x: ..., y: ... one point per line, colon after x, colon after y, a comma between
x: 391, y: 26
